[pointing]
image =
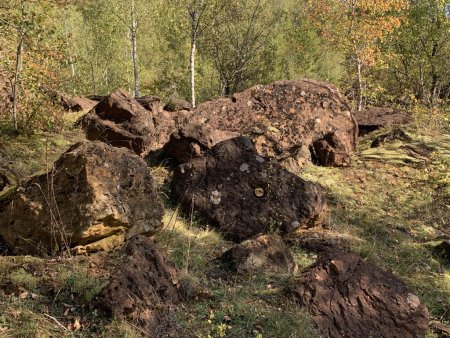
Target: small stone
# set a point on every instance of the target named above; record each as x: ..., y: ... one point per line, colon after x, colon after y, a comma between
x: 259, y: 159
x: 215, y: 197
x: 413, y: 300
x: 295, y: 224
x: 244, y: 167
x: 259, y: 192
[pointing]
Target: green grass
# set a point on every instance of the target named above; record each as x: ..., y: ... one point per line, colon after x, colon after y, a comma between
x: 389, y: 207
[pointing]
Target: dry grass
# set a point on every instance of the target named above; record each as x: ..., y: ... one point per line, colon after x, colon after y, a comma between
x: 390, y: 207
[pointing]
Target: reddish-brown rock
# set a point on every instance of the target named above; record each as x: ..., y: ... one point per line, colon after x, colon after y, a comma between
x: 264, y: 253
x: 350, y: 297
x: 142, y: 288
x: 120, y: 121
x: 243, y: 193
x: 150, y: 102
x: 284, y: 119
x: 194, y: 140
x: 94, y: 197
x: 71, y: 103
x: 374, y: 118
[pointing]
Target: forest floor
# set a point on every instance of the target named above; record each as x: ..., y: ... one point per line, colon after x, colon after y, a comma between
x: 390, y: 207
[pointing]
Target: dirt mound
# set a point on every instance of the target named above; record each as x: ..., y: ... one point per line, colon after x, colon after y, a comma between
x: 349, y: 297
x: 194, y: 140
x: 267, y: 253
x: 94, y: 197
x: 120, y: 121
x: 142, y: 288
x: 244, y: 194
x: 374, y: 118
x: 285, y: 118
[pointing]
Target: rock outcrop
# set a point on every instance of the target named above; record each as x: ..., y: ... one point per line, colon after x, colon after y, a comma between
x: 264, y: 253
x: 194, y: 140
x: 350, y: 297
x: 287, y: 120
x: 243, y: 193
x: 177, y: 104
x: 395, y: 134
x: 375, y: 118
x: 71, y: 103
x: 94, y: 197
x: 142, y: 288
x: 120, y: 121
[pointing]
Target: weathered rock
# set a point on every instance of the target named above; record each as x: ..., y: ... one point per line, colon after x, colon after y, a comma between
x: 95, y: 196
x: 443, y: 249
x: 194, y: 140
x: 320, y: 241
x: 166, y: 123
x: 330, y: 150
x: 418, y: 150
x: 350, y: 297
x: 150, y: 102
x: 3, y: 181
x: 69, y: 102
x: 264, y: 253
x: 372, y: 119
x: 176, y: 104
x: 395, y: 134
x: 244, y: 194
x: 120, y: 121
x: 284, y: 119
x: 142, y: 288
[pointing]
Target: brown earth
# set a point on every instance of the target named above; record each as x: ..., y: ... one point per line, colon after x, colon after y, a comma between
x: 374, y: 118
x: 120, y: 121
x: 284, y: 119
x: 94, y: 197
x: 243, y: 193
x: 264, y: 253
x: 143, y: 287
x: 350, y: 297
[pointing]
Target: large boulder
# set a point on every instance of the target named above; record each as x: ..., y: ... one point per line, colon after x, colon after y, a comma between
x: 264, y: 253
x: 194, y: 140
x: 176, y: 104
x: 350, y: 297
x: 286, y: 119
x: 142, y: 288
x: 243, y: 193
x: 94, y: 197
x: 120, y: 121
x: 69, y: 102
x: 374, y: 118
x: 150, y: 102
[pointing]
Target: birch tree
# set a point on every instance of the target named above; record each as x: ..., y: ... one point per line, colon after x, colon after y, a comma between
x: 357, y: 27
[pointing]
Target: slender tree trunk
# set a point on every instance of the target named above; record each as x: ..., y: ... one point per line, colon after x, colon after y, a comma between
x: 360, y: 83
x: 134, y: 48
x: 15, y: 88
x: 192, y: 68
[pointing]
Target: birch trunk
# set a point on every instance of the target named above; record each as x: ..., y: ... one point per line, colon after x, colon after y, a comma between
x: 134, y: 48
x: 192, y: 67
x: 15, y: 88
